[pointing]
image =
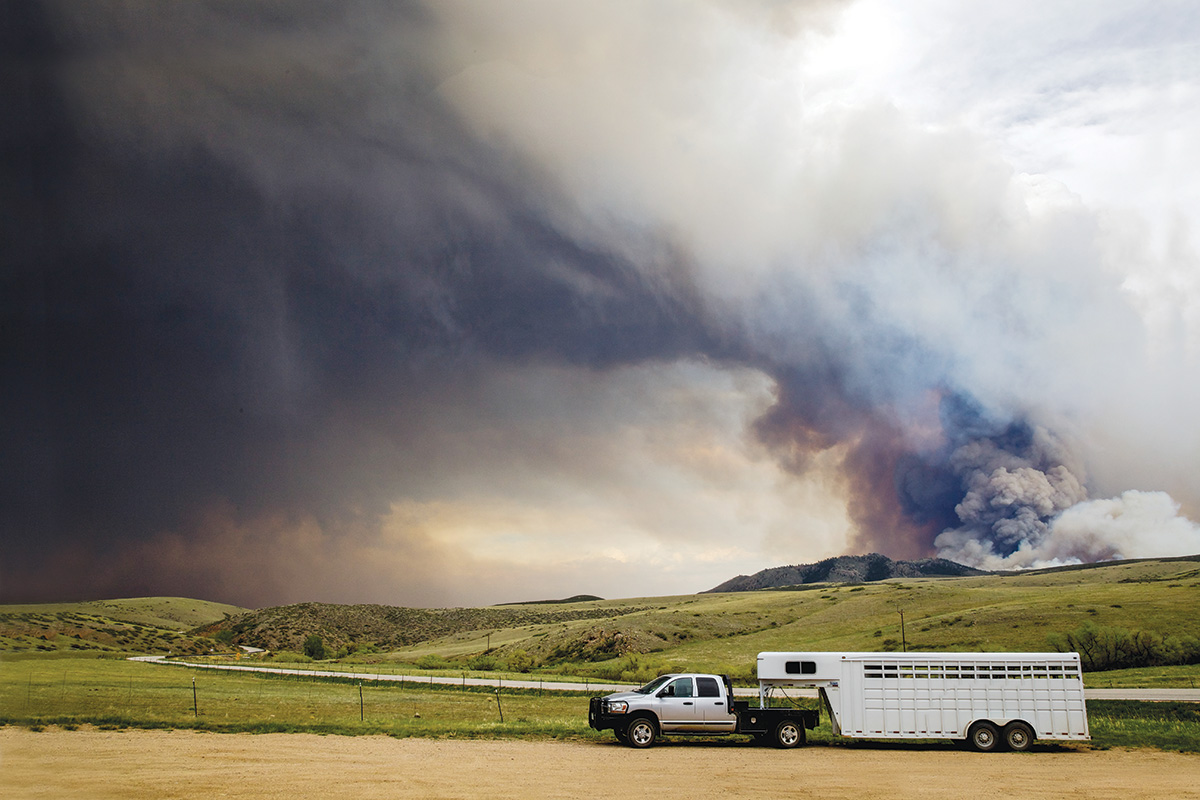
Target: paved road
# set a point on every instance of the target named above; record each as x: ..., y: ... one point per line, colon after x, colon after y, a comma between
x: 1180, y: 695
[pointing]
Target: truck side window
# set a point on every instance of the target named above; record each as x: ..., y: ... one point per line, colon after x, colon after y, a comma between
x: 681, y: 687
x: 707, y: 687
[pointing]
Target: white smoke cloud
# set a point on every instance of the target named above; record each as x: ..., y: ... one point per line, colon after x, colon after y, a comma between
x: 1135, y: 524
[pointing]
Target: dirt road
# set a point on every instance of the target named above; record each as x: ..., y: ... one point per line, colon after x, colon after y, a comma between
x: 162, y: 765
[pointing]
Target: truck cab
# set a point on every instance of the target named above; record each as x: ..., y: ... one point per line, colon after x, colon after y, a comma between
x: 690, y: 703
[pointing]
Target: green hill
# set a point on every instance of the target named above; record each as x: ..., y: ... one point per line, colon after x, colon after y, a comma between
x: 378, y: 627
x: 141, y: 625
x: 725, y: 631
x: 627, y: 639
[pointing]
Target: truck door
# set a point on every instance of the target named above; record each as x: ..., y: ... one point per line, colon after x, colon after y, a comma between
x: 677, y: 706
x: 717, y: 709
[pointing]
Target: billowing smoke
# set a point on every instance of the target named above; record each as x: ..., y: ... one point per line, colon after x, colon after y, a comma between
x: 381, y: 289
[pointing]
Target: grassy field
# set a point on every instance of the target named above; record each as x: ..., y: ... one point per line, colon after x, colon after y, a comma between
x: 71, y: 692
x: 111, y: 693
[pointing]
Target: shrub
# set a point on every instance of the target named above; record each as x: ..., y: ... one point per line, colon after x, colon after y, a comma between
x: 520, y: 661
x: 432, y: 662
x: 314, y: 648
x: 483, y: 663
x: 1103, y: 647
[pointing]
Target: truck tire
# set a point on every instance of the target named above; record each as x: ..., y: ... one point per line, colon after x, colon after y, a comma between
x: 622, y: 735
x: 1018, y: 736
x: 984, y: 737
x: 788, y: 734
x: 641, y: 732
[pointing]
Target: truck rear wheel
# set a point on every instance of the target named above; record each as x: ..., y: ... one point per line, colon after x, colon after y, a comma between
x: 984, y: 737
x: 1018, y: 736
x: 788, y: 734
x: 641, y: 732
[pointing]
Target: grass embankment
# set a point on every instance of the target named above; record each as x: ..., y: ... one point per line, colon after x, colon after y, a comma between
x: 1185, y: 676
x: 66, y: 692
x: 119, y: 694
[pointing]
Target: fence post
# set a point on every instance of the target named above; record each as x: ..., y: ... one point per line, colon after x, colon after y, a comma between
x: 195, y: 702
x: 361, y: 713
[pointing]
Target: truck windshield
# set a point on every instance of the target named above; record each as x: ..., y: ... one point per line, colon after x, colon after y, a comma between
x: 653, y: 685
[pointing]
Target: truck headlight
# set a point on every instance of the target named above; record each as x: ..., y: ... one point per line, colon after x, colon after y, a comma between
x: 617, y: 706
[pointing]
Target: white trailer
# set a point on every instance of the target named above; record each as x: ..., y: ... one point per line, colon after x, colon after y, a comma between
x: 987, y: 700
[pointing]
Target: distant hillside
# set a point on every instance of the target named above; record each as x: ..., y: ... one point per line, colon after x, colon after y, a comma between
x: 579, y: 598
x: 846, y: 569
x: 383, y: 627
x: 136, y: 625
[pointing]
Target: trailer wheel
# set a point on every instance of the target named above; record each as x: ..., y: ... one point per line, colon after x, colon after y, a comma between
x: 1018, y: 736
x: 788, y: 734
x: 641, y: 732
x: 984, y: 737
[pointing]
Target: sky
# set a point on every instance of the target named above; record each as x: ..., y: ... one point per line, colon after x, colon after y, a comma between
x: 459, y: 303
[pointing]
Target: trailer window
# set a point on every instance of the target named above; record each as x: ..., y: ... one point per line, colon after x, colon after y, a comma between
x: 800, y: 668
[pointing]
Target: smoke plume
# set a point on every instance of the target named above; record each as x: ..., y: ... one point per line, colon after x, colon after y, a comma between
x: 405, y: 301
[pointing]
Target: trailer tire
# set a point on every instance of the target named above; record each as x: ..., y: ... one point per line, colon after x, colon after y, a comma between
x: 984, y: 737
x: 641, y: 732
x: 1018, y: 736
x: 788, y: 734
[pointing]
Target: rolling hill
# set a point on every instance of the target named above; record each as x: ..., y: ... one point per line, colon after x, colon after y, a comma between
x: 629, y: 639
x: 846, y: 569
x: 390, y: 627
x: 142, y: 624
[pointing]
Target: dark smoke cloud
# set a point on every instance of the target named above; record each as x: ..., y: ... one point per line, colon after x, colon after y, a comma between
x: 271, y: 261
x: 180, y: 333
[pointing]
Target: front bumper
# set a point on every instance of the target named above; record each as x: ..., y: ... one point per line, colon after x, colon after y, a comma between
x: 599, y: 718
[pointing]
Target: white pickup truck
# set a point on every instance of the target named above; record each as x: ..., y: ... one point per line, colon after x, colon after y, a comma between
x: 694, y: 704
x: 988, y: 701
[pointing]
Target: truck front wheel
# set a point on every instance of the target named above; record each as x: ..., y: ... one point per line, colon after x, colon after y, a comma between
x: 641, y: 732
x: 788, y: 734
x: 984, y: 737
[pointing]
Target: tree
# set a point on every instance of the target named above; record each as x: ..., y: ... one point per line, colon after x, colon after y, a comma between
x: 314, y: 648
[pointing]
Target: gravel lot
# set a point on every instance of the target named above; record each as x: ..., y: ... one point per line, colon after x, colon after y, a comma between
x: 184, y: 764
